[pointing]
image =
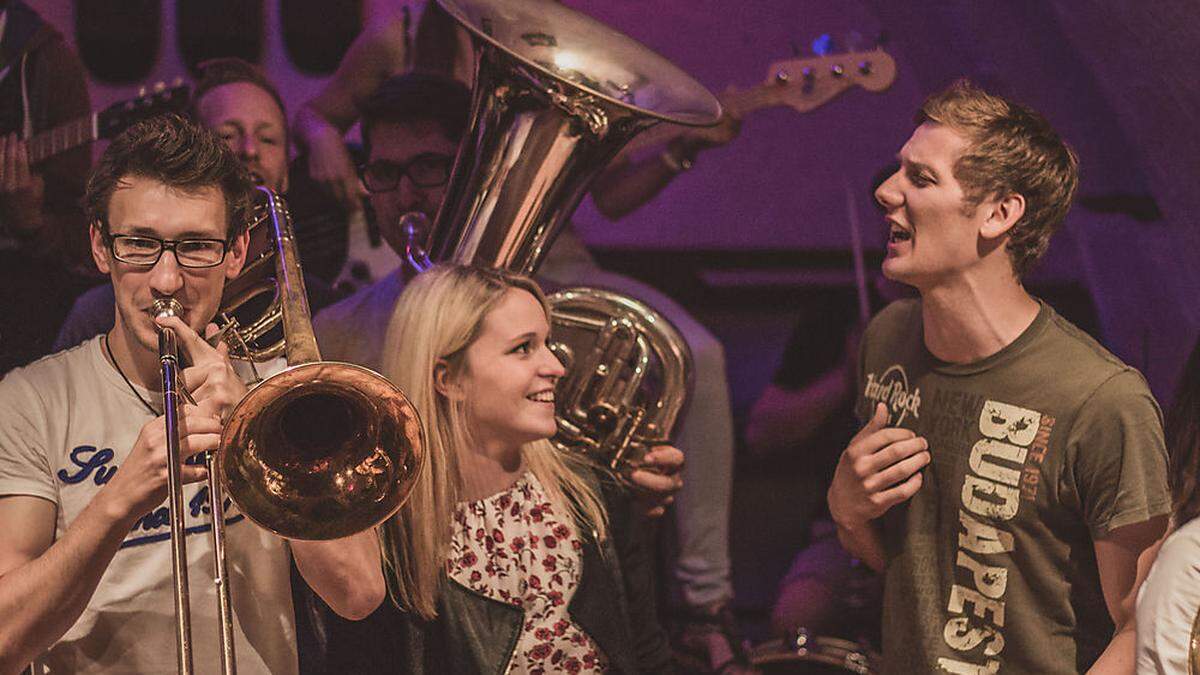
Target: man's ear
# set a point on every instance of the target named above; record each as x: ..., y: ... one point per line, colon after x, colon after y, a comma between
x: 1002, y: 214
x: 443, y: 383
x: 236, y: 257
x: 99, y: 249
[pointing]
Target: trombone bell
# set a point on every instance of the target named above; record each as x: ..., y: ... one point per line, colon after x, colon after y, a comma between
x: 325, y: 450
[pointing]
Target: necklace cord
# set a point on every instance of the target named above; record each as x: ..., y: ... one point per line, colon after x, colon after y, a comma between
x: 108, y: 350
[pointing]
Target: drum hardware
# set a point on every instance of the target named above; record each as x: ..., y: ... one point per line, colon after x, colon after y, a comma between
x: 802, y: 652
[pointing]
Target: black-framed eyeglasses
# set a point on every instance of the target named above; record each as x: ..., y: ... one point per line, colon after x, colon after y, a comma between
x: 427, y: 170
x: 145, y: 251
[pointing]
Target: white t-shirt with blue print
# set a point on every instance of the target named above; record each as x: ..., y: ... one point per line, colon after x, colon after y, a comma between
x: 66, y: 423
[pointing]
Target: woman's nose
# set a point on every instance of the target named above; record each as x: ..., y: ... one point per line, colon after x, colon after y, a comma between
x: 551, y: 366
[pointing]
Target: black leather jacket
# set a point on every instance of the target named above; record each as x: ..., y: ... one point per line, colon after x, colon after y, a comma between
x: 614, y: 604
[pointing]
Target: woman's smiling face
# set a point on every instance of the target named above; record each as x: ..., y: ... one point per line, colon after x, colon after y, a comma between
x: 508, y: 375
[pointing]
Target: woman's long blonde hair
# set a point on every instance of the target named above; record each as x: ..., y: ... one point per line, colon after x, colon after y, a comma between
x: 439, y: 315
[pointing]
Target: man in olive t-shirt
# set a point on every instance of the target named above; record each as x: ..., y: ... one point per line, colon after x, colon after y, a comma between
x: 1036, y: 450
x: 1011, y: 470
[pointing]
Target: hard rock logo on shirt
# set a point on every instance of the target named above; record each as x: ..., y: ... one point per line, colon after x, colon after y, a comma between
x: 891, y: 389
x: 1003, y: 470
x: 95, y: 465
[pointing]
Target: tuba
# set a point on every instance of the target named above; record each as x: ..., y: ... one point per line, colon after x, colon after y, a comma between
x: 557, y: 96
x: 627, y: 375
x: 321, y: 450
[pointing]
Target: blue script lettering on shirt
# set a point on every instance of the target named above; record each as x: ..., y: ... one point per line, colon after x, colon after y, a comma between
x: 161, y: 518
x: 90, y: 461
x: 97, y: 464
x: 164, y: 536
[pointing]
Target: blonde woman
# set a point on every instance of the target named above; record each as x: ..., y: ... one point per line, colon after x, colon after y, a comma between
x: 509, y: 555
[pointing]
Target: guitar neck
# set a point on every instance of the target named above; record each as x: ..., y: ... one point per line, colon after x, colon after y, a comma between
x: 62, y: 138
x: 736, y: 103
x: 742, y: 102
x: 801, y: 84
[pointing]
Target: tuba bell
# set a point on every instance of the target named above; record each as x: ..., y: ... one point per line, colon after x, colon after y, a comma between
x: 557, y: 96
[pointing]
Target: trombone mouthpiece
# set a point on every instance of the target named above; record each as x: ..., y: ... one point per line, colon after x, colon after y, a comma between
x: 164, y: 307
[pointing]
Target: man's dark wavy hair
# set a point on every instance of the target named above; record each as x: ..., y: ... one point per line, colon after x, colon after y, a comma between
x: 419, y: 95
x: 178, y: 153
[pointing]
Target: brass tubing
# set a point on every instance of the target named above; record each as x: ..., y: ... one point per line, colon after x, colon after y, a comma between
x: 297, y: 321
x: 216, y: 509
x: 169, y: 359
x: 321, y: 450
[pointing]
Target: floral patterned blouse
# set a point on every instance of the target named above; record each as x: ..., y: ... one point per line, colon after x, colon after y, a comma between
x: 516, y: 548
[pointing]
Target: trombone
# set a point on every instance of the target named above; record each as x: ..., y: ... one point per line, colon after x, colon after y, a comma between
x: 319, y: 451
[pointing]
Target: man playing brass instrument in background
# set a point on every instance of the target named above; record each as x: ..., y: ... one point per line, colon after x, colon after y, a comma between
x: 85, y: 563
x: 1012, y: 470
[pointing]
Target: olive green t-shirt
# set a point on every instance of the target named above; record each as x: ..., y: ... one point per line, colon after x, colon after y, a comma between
x: 1036, y: 451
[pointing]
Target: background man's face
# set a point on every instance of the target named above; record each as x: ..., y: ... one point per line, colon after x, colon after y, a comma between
x: 252, y: 125
x: 399, y: 143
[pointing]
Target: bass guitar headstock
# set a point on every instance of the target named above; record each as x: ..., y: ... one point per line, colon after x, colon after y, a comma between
x: 808, y: 83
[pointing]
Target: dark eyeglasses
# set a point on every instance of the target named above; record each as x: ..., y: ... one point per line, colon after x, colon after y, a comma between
x: 145, y: 251
x: 427, y: 170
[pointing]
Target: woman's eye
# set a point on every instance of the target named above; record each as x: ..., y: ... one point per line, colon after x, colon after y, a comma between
x: 522, y: 348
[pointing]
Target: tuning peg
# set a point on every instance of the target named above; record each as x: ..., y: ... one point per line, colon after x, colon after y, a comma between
x: 782, y: 76
x: 810, y: 79
x: 837, y: 70
x: 865, y: 67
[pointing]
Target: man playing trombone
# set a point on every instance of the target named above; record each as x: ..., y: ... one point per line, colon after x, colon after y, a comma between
x: 85, y: 561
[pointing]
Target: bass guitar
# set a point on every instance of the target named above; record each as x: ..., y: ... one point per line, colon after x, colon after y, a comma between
x: 107, y: 123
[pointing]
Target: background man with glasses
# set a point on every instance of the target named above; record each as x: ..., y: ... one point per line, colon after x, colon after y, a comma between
x: 410, y: 134
x: 85, y: 563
